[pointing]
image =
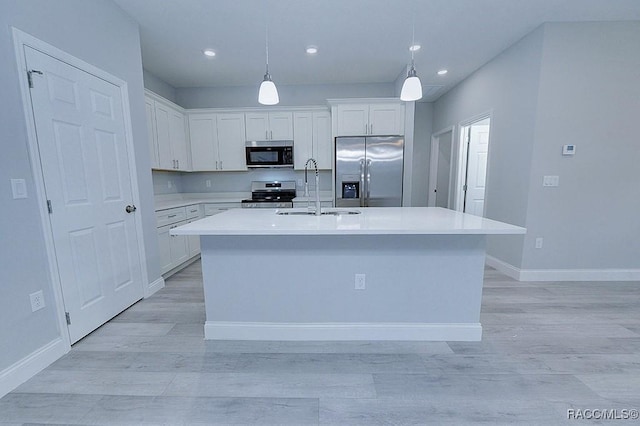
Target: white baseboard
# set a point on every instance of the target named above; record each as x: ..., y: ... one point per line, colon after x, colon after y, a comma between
x: 154, y: 287
x: 223, y: 330
x: 32, y: 364
x: 563, y: 274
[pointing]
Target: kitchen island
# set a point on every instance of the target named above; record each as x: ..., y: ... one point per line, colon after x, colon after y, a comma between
x: 405, y: 273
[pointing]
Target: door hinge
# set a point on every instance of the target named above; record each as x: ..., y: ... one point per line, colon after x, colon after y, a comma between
x: 49, y: 206
x: 68, y: 317
x: 30, y: 76
x: 464, y: 188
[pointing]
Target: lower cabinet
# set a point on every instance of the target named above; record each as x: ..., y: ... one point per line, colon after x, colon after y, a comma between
x: 177, y: 249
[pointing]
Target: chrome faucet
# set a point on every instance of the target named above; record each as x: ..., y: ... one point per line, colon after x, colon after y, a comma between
x: 306, y: 184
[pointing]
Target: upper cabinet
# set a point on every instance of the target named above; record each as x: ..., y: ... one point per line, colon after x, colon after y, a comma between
x: 371, y: 118
x: 217, y: 141
x: 272, y: 126
x: 312, y: 138
x: 167, y: 134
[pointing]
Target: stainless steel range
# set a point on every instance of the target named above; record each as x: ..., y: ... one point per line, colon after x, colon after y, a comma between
x: 271, y: 195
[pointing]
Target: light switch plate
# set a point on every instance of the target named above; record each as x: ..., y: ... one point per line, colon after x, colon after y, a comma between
x: 550, y: 180
x: 19, y: 188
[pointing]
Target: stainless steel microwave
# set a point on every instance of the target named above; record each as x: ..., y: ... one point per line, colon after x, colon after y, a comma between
x: 269, y: 154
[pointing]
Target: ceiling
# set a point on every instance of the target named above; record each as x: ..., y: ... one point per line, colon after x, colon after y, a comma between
x: 359, y: 41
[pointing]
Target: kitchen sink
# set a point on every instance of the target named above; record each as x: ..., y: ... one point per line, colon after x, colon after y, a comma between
x: 325, y: 213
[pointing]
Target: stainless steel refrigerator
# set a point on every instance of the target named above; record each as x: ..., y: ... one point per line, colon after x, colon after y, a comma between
x: 369, y: 171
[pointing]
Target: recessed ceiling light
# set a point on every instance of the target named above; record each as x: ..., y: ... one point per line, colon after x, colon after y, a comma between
x: 209, y: 52
x: 414, y: 47
x: 442, y: 72
x: 312, y: 50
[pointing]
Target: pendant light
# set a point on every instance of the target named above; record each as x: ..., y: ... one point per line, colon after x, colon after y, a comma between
x: 268, y: 93
x: 411, y: 88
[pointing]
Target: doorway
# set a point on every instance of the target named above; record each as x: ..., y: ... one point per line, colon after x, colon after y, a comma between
x: 82, y: 150
x: 474, y: 149
x: 440, y: 169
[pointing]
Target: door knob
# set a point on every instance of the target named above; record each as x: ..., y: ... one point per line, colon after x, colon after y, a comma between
x: 130, y: 209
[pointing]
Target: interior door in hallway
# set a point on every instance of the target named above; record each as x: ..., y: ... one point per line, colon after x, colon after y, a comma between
x: 84, y: 158
x: 478, y: 148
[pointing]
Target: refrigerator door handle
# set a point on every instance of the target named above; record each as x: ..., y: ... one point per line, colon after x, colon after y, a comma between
x: 362, y: 187
x: 368, y: 183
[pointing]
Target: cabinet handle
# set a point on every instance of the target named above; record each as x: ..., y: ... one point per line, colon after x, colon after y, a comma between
x: 178, y: 164
x: 216, y: 164
x: 271, y: 134
x: 172, y: 216
x: 266, y: 134
x: 221, y: 165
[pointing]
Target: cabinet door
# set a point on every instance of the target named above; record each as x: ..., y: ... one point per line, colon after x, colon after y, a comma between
x: 280, y: 126
x: 164, y: 241
x: 231, y: 142
x: 178, y: 134
x: 386, y: 119
x: 353, y: 120
x: 151, y: 129
x: 203, y: 135
x: 302, y: 138
x: 179, y: 247
x: 163, y: 119
x: 257, y: 126
x: 193, y: 242
x: 322, y: 141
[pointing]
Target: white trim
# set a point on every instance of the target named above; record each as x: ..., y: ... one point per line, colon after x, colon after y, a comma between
x: 504, y: 267
x: 231, y: 330
x: 563, y: 274
x: 20, y: 40
x: 21, y: 371
x: 153, y: 287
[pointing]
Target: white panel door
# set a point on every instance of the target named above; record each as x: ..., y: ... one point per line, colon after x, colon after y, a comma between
x: 353, y: 120
x: 477, y: 169
x: 151, y: 128
x: 386, y: 119
x: 163, y: 137
x: 85, y: 163
x: 178, y: 138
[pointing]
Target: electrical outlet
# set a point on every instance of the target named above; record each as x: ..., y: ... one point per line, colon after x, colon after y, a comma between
x: 37, y: 301
x: 300, y: 183
x: 360, y: 282
x: 539, y: 242
x: 169, y: 184
x: 208, y: 183
x: 550, y: 181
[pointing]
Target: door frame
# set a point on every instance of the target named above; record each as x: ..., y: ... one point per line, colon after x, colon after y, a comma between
x: 20, y: 40
x: 433, y: 164
x: 462, y: 157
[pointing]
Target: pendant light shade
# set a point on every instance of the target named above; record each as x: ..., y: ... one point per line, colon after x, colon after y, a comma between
x: 411, y: 88
x: 268, y: 93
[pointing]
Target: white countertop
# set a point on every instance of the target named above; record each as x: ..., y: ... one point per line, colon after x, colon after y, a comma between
x: 371, y: 221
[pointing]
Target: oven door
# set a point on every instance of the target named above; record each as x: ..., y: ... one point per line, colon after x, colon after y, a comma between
x: 269, y: 154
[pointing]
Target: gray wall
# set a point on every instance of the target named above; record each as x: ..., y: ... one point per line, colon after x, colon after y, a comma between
x: 422, y: 130
x: 563, y: 83
x: 158, y: 86
x: 508, y: 88
x: 589, y: 95
x: 303, y: 95
x: 101, y: 34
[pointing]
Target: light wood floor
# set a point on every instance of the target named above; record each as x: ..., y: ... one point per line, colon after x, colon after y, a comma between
x: 547, y: 348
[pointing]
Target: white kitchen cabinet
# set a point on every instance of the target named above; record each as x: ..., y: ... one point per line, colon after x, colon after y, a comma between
x: 217, y: 141
x: 312, y: 138
x: 262, y: 126
x: 231, y: 141
x: 366, y: 119
x: 211, y: 209
x: 175, y: 249
x: 168, y: 134
x: 194, y: 212
x: 151, y: 128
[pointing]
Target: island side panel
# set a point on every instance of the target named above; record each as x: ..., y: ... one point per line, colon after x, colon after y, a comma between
x: 305, y: 283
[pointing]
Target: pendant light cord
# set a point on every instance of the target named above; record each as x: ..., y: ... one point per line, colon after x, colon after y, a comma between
x: 267, y: 42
